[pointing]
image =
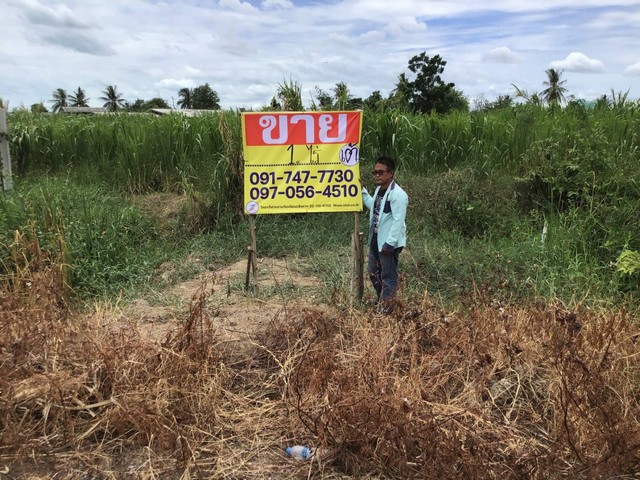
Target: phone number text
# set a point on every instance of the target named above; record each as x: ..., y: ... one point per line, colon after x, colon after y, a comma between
x: 301, y: 176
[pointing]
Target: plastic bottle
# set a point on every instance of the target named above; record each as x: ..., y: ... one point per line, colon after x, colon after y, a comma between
x: 300, y: 452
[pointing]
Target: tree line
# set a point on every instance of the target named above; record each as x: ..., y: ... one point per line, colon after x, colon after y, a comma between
x: 202, y: 97
x: 421, y: 90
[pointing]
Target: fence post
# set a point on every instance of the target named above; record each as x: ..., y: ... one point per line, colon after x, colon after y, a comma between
x: 5, y: 171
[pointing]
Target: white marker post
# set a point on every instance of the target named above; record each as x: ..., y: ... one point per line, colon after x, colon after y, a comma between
x: 5, y: 173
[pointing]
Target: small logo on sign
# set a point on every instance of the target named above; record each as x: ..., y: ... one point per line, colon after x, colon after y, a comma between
x: 350, y: 155
x: 252, y: 207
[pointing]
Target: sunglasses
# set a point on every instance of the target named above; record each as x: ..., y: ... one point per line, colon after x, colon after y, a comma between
x: 377, y: 173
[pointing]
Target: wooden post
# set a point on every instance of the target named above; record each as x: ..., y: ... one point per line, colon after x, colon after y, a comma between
x: 357, y: 276
x: 252, y: 259
x: 5, y: 171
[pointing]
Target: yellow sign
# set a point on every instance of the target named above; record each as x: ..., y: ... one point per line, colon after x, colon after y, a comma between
x: 297, y: 162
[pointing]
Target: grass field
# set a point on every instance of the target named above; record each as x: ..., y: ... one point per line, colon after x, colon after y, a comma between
x: 513, y: 353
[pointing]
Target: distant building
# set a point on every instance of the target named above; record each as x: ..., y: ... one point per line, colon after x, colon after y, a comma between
x: 187, y: 112
x: 84, y: 110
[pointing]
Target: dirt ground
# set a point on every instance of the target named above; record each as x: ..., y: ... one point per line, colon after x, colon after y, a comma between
x: 237, y: 313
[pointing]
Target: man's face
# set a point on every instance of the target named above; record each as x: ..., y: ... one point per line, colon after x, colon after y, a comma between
x: 382, y: 175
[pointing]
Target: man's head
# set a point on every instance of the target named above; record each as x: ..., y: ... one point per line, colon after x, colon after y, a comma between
x: 383, y: 171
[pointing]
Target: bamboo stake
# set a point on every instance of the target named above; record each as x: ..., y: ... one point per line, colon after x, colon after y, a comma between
x: 252, y: 260
x: 357, y: 276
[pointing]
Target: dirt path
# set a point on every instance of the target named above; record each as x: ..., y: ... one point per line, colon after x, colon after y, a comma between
x: 238, y: 314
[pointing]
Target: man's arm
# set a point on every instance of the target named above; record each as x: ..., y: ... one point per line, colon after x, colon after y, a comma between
x: 366, y: 198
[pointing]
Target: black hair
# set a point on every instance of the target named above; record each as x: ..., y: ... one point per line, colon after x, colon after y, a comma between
x: 388, y: 162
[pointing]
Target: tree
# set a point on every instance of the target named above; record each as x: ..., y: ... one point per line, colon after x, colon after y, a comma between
x: 325, y: 102
x: 79, y: 98
x: 399, y: 97
x: 554, y: 93
x: 455, y: 100
x: 185, y: 98
x: 481, y: 104
x: 59, y: 99
x: 36, y: 108
x: 156, y: 102
x: 141, y: 105
x: 374, y: 101
x: 205, y: 98
x: 274, y: 105
x: 113, y: 100
x: 428, y: 92
x: 137, y: 106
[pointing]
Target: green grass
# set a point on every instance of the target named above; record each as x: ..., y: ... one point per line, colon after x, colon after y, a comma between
x: 482, y: 186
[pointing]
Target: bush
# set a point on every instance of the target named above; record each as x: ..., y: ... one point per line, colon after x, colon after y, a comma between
x: 466, y: 201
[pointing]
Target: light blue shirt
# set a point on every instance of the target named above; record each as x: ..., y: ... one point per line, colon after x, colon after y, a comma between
x: 392, y: 229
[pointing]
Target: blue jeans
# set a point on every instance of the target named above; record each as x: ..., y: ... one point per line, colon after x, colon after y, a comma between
x: 383, y: 272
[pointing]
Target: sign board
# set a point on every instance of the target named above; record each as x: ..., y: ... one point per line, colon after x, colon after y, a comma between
x: 296, y: 162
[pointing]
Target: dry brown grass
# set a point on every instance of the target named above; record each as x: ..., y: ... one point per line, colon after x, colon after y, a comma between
x: 489, y: 391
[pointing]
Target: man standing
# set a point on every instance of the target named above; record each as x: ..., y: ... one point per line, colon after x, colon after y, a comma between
x: 387, y: 230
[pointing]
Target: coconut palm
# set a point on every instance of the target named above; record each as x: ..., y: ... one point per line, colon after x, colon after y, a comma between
x: 59, y: 99
x: 79, y: 98
x: 113, y: 100
x: 186, y: 99
x: 554, y: 93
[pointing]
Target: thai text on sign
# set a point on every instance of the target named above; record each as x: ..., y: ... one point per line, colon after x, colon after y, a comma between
x: 298, y: 162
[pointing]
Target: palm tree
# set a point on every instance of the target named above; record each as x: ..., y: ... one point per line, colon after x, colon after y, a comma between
x: 113, y: 100
x: 186, y: 99
x: 554, y: 93
x: 79, y: 98
x: 59, y: 99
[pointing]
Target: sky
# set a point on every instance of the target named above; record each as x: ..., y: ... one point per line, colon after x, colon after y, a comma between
x: 245, y: 48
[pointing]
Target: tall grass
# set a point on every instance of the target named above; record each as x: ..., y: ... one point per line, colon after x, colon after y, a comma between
x: 104, y: 241
x: 135, y: 153
x: 483, y: 185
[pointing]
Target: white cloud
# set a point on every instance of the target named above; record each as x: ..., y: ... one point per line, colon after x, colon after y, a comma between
x: 501, y: 55
x: 244, y: 48
x: 372, y: 36
x: 633, y: 70
x: 195, y: 72
x: 56, y: 16
x: 277, y: 4
x: 406, y: 24
x: 238, y: 6
x: 579, y: 62
x: 176, y: 83
x: 79, y: 43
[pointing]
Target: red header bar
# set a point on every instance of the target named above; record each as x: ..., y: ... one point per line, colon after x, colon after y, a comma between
x: 301, y: 128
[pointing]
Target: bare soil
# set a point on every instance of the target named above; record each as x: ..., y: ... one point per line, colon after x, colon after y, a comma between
x: 238, y: 313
